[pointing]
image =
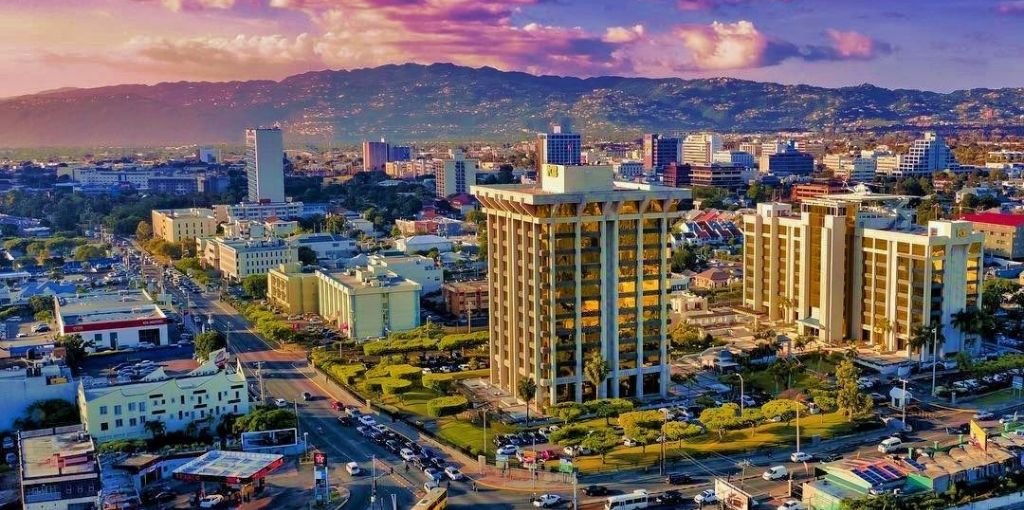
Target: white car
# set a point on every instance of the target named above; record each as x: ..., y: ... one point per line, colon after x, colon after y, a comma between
x: 353, y: 468
x: 430, y: 484
x: 508, y: 449
x: 406, y: 454
x: 984, y: 416
x: 453, y: 473
x: 211, y: 501
x: 433, y: 474
x: 280, y: 402
x: 626, y: 441
x: 800, y: 457
x: 547, y: 500
x: 791, y: 504
x: 367, y: 420
x: 380, y: 427
x: 706, y: 497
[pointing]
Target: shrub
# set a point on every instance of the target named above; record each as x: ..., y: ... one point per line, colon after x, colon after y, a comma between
x: 388, y: 385
x: 444, y: 406
x: 455, y: 376
x: 407, y: 372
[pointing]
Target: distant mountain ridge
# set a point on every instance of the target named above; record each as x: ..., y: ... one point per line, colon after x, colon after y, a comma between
x: 445, y: 101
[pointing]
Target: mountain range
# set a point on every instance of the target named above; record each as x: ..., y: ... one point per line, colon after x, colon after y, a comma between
x: 447, y: 102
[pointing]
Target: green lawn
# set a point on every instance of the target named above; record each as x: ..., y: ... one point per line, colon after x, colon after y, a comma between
x: 769, y: 435
x: 997, y: 398
x: 817, y: 367
x: 470, y: 436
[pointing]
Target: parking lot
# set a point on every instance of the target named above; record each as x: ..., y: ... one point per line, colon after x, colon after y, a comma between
x: 173, y: 358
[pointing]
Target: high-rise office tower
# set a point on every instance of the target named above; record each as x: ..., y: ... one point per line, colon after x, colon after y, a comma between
x: 577, y: 268
x: 264, y: 164
x: 558, y: 148
x: 927, y: 156
x: 856, y: 267
x: 698, y: 148
x: 375, y: 155
x: 786, y: 162
x: 457, y: 175
x: 660, y: 151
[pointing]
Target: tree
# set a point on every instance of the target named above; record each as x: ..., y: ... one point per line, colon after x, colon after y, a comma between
x: 75, y: 350
x: 88, y: 252
x: 643, y: 427
x: 678, y: 430
x: 600, y: 441
x: 264, y: 418
x: 156, y: 428
x: 849, y: 399
x: 924, y: 338
x: 759, y: 193
x: 209, y: 341
x: 608, y: 407
x: 527, y: 389
x: 44, y: 414
x: 568, y: 411
x: 992, y: 292
x: 596, y: 370
x: 782, y: 408
x: 40, y: 303
x: 718, y: 419
x: 968, y: 322
x: 307, y: 256
x: 144, y: 231
x: 255, y: 286
x: 43, y: 316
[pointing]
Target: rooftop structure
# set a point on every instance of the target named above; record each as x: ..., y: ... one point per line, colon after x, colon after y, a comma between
x: 229, y: 467
x: 112, y: 320
x: 59, y: 469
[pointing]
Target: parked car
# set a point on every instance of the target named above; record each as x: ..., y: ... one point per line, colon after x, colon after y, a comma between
x: 775, y: 473
x: 706, y: 497
x: 547, y: 500
x: 406, y: 454
x: 890, y: 445
x: 800, y: 457
x: 280, y: 402
x: 832, y: 457
x: 353, y: 468
x: 508, y: 449
x: 211, y: 501
x: 791, y: 504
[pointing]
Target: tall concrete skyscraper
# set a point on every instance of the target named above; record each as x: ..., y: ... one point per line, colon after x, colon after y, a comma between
x: 577, y: 268
x: 264, y: 164
x: 376, y: 155
x: 699, y: 148
x: 558, y: 148
x: 660, y: 151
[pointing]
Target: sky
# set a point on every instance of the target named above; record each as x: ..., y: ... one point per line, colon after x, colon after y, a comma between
x: 938, y: 45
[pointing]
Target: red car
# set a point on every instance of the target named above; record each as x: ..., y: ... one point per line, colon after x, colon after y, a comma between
x: 337, y: 406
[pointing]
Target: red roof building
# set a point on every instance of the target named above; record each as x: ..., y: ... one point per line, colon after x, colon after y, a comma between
x: 1004, y: 233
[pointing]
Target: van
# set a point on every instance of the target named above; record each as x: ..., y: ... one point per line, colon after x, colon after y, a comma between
x: 775, y: 473
x: 890, y: 445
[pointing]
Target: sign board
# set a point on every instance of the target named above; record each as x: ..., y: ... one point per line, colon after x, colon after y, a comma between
x: 732, y: 497
x: 1018, y: 382
x: 979, y: 436
x: 319, y: 459
x: 565, y: 466
x: 269, y: 439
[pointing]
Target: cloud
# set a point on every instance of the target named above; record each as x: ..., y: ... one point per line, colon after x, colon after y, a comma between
x: 623, y: 34
x: 852, y: 45
x: 724, y: 45
x: 713, y: 5
x: 192, y: 5
x: 1014, y: 7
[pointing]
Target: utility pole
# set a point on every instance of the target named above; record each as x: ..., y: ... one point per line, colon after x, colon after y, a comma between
x: 575, y: 500
x: 903, y: 403
x: 259, y: 377
x: 741, y: 394
x: 373, y: 478
x: 484, y: 449
x: 798, y: 428
x: 935, y: 354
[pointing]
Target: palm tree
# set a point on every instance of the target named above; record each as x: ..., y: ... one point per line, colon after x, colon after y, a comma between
x: 967, y: 321
x: 155, y: 428
x: 527, y: 389
x: 924, y: 338
x: 596, y: 370
x: 887, y: 327
x: 786, y: 305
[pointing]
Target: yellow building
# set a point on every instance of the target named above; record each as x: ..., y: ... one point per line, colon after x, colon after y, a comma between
x: 578, y: 266
x: 855, y: 266
x: 368, y: 302
x: 237, y: 258
x: 292, y: 290
x: 178, y: 224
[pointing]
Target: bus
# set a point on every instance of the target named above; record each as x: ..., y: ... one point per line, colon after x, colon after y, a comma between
x: 435, y: 499
x: 634, y: 500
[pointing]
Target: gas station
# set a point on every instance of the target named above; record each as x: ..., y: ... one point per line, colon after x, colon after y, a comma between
x: 244, y: 471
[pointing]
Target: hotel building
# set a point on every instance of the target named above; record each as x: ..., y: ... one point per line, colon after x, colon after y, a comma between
x: 174, y: 225
x: 855, y: 266
x: 578, y: 267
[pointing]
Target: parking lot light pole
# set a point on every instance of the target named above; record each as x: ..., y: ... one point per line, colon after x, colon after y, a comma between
x: 903, y: 403
x: 741, y: 392
x: 935, y: 354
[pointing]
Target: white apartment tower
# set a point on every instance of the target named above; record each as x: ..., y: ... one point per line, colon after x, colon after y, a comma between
x: 699, y: 148
x: 927, y: 156
x: 264, y: 164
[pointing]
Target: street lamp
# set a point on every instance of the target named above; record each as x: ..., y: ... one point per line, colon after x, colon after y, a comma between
x: 935, y: 354
x: 741, y: 392
x: 305, y: 444
x: 903, y: 403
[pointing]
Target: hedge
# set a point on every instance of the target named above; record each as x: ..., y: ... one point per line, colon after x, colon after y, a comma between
x: 389, y: 385
x: 399, y: 346
x: 345, y: 373
x: 456, y: 376
x: 444, y: 406
x: 406, y: 372
x: 460, y: 341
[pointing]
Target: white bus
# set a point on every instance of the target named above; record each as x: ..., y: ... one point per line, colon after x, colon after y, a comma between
x: 636, y: 499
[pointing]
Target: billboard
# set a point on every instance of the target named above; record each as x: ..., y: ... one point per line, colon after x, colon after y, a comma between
x: 269, y: 439
x: 979, y: 436
x: 731, y: 496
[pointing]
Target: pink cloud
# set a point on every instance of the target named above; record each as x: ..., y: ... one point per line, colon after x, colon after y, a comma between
x: 852, y: 45
x: 1011, y: 7
x: 620, y: 35
x: 710, y: 5
x: 723, y: 45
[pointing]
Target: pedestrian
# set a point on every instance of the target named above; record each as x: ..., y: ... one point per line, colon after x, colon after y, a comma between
x: 392, y: 468
x: 474, y: 485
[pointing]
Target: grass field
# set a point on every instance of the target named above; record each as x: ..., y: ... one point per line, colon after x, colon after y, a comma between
x: 469, y: 436
x: 997, y: 398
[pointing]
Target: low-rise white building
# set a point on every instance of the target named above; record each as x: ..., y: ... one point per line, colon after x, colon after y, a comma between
x: 227, y: 213
x: 368, y: 302
x: 112, y: 320
x: 25, y: 386
x: 238, y: 258
x: 416, y: 244
x: 202, y: 396
x: 420, y: 269
x: 243, y: 229
x: 326, y: 246
x: 59, y: 469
